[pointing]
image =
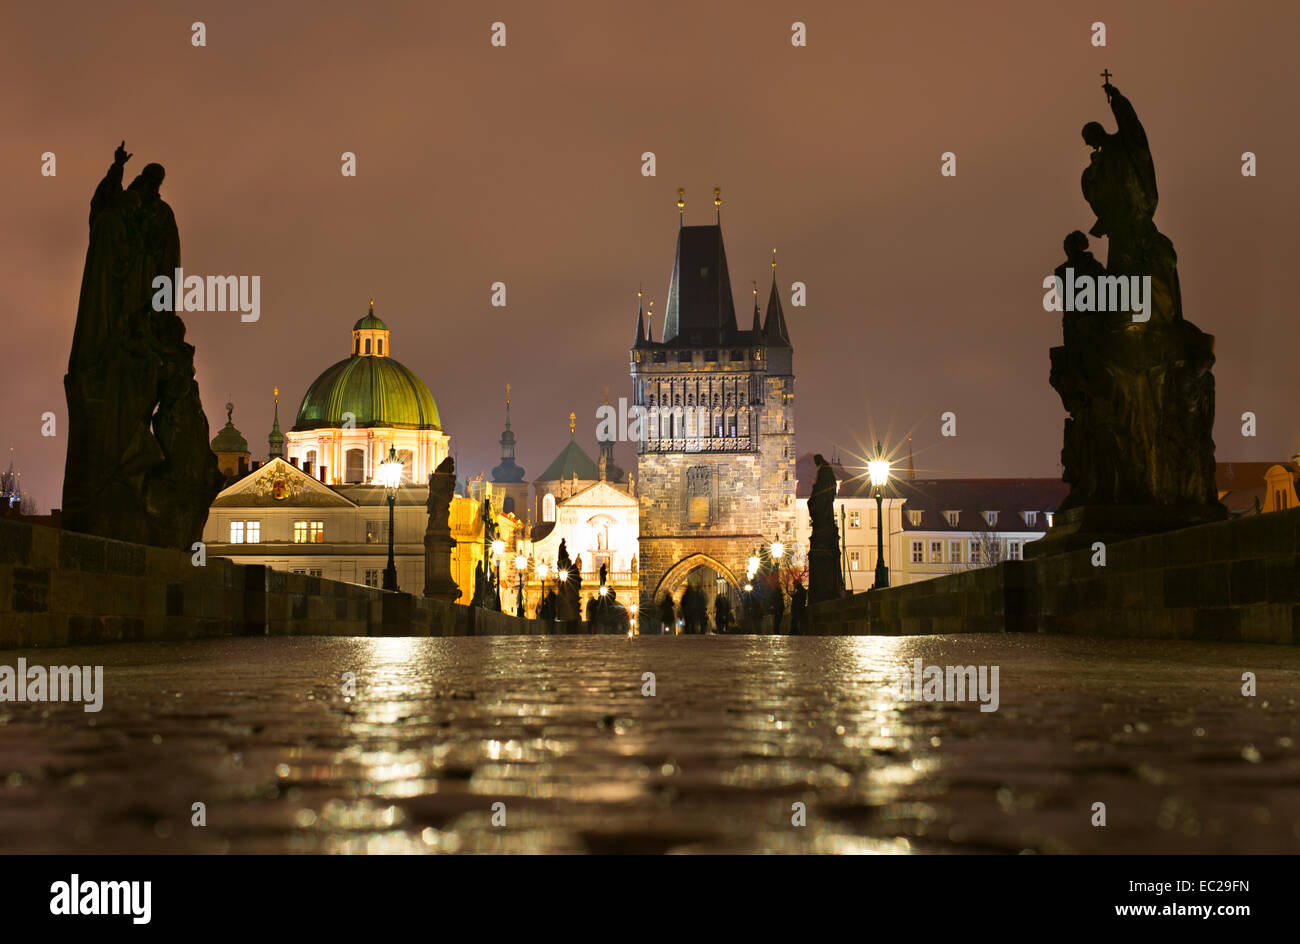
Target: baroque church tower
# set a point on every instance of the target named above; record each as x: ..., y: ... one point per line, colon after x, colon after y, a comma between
x: 716, y: 463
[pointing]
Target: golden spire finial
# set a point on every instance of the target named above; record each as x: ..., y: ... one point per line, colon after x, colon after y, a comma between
x: 372, y: 303
x: 717, y: 197
x: 573, y: 423
x: 681, y: 200
x: 277, y: 394
x: 774, y: 259
x: 507, y: 396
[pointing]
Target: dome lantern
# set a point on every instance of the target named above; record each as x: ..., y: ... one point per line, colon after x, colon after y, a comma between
x: 370, y: 335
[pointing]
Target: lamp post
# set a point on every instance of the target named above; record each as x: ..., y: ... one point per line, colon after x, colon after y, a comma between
x: 878, y: 469
x: 521, y: 564
x: 390, y: 476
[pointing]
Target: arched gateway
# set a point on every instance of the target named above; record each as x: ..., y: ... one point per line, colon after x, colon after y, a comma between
x: 681, y: 572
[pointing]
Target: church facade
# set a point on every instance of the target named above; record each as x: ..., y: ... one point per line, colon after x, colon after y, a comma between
x: 716, y: 460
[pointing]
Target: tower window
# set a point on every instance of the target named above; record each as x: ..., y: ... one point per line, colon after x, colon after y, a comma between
x: 548, y: 507
x: 379, y: 346
x: 367, y: 345
x: 356, y: 348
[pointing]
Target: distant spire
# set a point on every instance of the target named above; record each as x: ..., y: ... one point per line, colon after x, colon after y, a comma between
x: 911, y: 469
x: 757, y: 329
x: 681, y: 206
x: 774, y: 330
x: 276, y: 439
x: 717, y: 202
x: 650, y: 323
x: 508, y: 470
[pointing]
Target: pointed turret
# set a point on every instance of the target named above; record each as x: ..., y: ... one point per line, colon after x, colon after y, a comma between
x: 774, y: 330
x: 701, y: 310
x: 757, y: 329
x: 640, y: 339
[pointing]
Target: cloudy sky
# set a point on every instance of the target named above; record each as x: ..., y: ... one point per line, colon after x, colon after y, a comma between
x: 522, y: 164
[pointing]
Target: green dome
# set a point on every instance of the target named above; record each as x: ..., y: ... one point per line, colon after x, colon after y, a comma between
x: 229, y: 439
x: 370, y: 322
x: 377, y: 391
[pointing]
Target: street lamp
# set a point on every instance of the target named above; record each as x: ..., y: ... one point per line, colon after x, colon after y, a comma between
x: 878, y: 470
x: 390, y: 476
x: 521, y: 564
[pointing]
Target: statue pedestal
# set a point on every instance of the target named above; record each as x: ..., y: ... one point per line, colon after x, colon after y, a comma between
x: 438, y: 582
x: 1077, y: 528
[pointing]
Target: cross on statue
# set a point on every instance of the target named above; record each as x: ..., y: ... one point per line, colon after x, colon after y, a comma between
x: 1106, y: 75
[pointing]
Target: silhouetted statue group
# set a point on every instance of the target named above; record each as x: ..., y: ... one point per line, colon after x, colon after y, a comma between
x: 139, y: 464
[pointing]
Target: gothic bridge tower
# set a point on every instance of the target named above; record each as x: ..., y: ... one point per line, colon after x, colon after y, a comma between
x: 716, y: 462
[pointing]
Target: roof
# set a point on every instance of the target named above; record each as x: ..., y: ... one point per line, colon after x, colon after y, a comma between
x: 774, y: 330
x: 377, y: 391
x: 229, y: 439
x: 700, y: 310
x: 370, y: 322
x: 570, y: 462
x: 972, y: 497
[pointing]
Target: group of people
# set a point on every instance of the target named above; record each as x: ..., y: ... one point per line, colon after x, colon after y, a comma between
x: 692, y: 612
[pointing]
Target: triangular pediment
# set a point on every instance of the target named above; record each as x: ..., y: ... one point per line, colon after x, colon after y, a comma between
x: 602, y: 494
x: 280, y: 484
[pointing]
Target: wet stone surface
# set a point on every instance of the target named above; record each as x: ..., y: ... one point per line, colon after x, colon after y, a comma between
x: 740, y: 729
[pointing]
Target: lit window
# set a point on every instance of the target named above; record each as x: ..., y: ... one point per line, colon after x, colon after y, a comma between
x: 253, y: 532
x: 915, y: 518
x: 991, y: 518
x: 976, y: 553
x: 1013, y: 550
x: 372, y: 578
x: 936, y: 552
x: 1049, y: 519
x: 954, y: 552
x: 918, y: 552
x: 1031, y: 518
x: 548, y: 507
x: 952, y: 517
x: 317, y: 532
x: 855, y: 560
x: 236, y: 532
x: 855, y: 519
x: 376, y: 532
x: 300, y: 532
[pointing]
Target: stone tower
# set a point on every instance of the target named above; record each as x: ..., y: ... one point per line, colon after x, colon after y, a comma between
x: 716, y: 458
x: 508, y: 477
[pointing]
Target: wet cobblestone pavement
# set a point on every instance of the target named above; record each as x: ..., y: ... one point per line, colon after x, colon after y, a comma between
x: 739, y: 729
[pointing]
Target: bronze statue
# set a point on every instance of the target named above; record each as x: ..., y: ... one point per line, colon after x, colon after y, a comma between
x: 139, y: 465
x: 438, y: 542
x: 825, y: 581
x: 1137, y: 450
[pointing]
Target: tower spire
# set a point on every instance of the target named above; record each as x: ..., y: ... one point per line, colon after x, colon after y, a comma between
x: 757, y: 329
x: 640, y: 320
x: 911, y: 469
x: 508, y: 470
x: 774, y: 330
x: 276, y: 440
x: 681, y: 206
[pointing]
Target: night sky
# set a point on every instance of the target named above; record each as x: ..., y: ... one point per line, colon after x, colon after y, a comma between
x: 522, y: 164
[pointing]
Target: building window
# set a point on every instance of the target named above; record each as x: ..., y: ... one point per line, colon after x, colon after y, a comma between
x: 1013, y: 550
x: 855, y: 560
x: 377, y: 532
x: 991, y: 518
x: 918, y: 552
x: 954, y: 552
x: 976, y: 557
x: 1049, y: 518
x: 855, y: 519
x: 367, y: 345
x: 1031, y: 518
x: 915, y: 518
x: 236, y: 532
x: 548, y: 507
x: 357, y: 347
x: 355, y: 465
x: 317, y: 534
x: 508, y: 506
x: 936, y: 552
x: 372, y: 578
x: 300, y: 532
x: 253, y: 532
x: 379, y: 346
x: 952, y: 518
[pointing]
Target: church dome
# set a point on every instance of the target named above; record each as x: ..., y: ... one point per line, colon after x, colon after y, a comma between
x: 376, y: 389
x: 229, y: 439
